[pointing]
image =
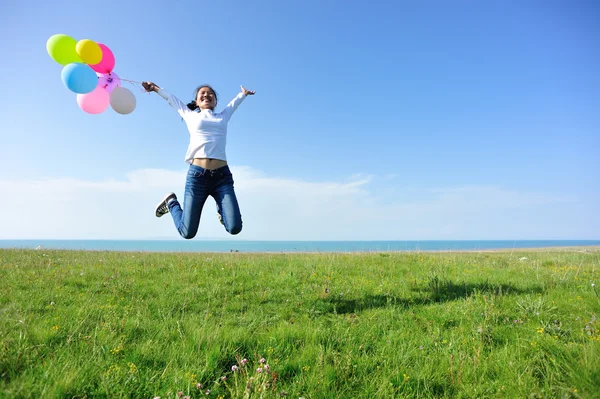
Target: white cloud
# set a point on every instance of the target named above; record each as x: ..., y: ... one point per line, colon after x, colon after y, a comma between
x: 275, y: 208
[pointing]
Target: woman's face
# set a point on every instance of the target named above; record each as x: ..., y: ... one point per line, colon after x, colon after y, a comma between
x: 206, y: 98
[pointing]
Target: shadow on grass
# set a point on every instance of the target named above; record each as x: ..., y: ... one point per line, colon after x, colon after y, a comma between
x: 436, y: 291
x: 445, y: 290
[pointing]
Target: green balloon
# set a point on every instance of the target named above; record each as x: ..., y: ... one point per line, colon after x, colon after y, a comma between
x: 62, y: 49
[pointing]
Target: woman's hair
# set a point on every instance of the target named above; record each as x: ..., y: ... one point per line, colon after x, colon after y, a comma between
x: 193, y: 105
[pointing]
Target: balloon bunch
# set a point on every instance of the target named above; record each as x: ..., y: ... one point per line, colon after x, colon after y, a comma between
x: 88, y: 71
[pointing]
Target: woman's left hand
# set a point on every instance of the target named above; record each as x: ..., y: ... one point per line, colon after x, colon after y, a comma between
x: 247, y: 92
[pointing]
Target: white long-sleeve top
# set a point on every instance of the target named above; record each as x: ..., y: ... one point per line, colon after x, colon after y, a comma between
x: 208, y: 129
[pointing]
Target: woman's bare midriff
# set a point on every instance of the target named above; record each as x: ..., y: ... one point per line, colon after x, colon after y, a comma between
x: 209, y: 163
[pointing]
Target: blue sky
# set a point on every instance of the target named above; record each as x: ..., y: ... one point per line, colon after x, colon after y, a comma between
x: 392, y: 120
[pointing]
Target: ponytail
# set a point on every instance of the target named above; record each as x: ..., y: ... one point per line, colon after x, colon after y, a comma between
x: 192, y: 105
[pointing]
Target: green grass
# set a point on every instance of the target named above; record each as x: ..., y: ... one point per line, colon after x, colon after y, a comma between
x: 382, y: 325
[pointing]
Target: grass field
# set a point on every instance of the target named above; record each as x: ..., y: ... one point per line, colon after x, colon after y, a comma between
x: 77, y: 324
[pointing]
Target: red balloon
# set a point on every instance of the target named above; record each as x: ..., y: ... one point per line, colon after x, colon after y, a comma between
x: 107, y: 64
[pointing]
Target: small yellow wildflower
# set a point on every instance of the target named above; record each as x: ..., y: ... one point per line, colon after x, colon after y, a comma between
x: 115, y: 351
x: 132, y: 368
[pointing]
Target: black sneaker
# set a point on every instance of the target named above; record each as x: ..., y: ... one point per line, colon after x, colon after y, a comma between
x: 162, y: 208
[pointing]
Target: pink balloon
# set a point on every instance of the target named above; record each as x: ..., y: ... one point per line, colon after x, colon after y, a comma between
x: 108, y: 60
x: 108, y: 80
x: 95, y: 102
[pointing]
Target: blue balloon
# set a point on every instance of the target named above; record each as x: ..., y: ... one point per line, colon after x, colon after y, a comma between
x: 79, y: 78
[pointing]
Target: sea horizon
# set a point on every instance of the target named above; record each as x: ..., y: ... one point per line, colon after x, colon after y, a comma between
x: 224, y: 245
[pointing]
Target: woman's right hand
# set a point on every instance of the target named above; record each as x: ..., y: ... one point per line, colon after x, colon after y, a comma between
x: 149, y: 86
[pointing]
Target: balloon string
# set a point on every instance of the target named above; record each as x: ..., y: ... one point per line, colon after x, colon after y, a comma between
x: 136, y: 84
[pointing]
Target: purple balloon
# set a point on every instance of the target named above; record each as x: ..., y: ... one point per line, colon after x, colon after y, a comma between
x: 108, y: 80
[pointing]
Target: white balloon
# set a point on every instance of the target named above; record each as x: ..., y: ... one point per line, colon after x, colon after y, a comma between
x: 122, y: 100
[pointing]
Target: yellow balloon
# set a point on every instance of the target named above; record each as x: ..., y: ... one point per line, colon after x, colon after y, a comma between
x: 89, y: 51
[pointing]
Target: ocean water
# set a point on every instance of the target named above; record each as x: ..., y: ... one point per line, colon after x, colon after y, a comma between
x: 199, y: 245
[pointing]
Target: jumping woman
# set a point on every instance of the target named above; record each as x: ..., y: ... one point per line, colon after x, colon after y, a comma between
x: 208, y: 173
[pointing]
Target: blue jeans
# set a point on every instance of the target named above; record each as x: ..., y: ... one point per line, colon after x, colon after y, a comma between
x: 199, y: 184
